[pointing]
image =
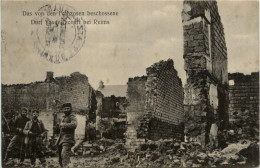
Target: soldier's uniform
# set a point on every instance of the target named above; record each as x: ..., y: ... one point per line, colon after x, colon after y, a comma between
x: 66, y: 138
x: 18, y: 138
x: 34, y: 131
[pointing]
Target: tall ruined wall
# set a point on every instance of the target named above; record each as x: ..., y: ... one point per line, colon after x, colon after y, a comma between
x: 166, y: 86
x: 135, y: 110
x: 205, y: 55
x: 244, y: 94
x: 155, y: 105
x: 99, y: 98
x: 204, y: 36
x: 75, y: 89
x: 164, y: 100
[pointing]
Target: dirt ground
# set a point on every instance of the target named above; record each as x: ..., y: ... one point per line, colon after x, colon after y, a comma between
x: 97, y: 161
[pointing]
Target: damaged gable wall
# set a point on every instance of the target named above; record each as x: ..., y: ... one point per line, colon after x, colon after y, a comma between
x: 155, y: 107
x: 205, y: 55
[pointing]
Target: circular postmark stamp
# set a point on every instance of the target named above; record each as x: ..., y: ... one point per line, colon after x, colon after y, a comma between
x: 59, y: 33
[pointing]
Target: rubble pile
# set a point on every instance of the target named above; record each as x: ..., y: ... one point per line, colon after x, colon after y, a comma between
x: 161, y: 153
x: 103, y: 146
x: 245, y: 125
x: 170, y: 153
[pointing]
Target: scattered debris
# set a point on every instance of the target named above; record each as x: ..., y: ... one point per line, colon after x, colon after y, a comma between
x: 161, y: 153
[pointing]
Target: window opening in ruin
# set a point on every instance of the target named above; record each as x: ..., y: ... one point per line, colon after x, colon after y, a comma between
x: 231, y: 82
x: 235, y: 113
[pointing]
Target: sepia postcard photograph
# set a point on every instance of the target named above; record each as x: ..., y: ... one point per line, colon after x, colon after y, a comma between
x: 131, y: 83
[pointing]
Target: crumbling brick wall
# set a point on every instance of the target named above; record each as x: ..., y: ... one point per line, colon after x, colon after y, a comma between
x: 136, y: 96
x: 158, y: 113
x: 243, y: 93
x: 205, y: 55
x: 75, y: 89
x: 99, y: 98
x: 45, y: 95
x: 244, y: 102
x: 164, y: 100
x: 32, y: 95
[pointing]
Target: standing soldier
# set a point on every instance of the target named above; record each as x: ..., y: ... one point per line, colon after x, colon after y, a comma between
x: 34, y: 131
x: 5, y: 130
x: 18, y: 138
x: 67, y: 135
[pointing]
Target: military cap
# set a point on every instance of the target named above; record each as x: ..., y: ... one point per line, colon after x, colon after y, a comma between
x: 66, y: 105
x: 24, y: 109
x: 36, y: 111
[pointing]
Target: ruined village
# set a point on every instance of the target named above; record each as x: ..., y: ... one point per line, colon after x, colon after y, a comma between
x: 153, y: 120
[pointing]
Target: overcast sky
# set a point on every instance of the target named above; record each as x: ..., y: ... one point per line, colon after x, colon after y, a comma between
x: 142, y: 34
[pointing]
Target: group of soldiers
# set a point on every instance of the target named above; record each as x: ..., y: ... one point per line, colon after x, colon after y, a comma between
x: 29, y: 135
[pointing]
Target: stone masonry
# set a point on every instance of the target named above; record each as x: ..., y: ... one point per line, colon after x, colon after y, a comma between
x: 111, y: 118
x: 136, y: 96
x: 243, y: 94
x: 205, y: 55
x: 49, y: 95
x: 155, y: 105
x: 99, y: 98
x: 46, y: 95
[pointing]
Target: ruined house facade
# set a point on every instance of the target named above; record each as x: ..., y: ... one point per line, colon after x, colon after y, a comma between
x: 205, y: 55
x: 111, y: 109
x: 49, y: 95
x: 155, y: 105
x: 114, y: 97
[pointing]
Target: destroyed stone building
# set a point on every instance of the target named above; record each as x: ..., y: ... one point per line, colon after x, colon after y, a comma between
x: 243, y: 93
x: 244, y: 103
x: 155, y: 105
x: 205, y: 55
x: 145, y: 122
x: 114, y: 97
x: 49, y: 95
x: 111, y: 110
